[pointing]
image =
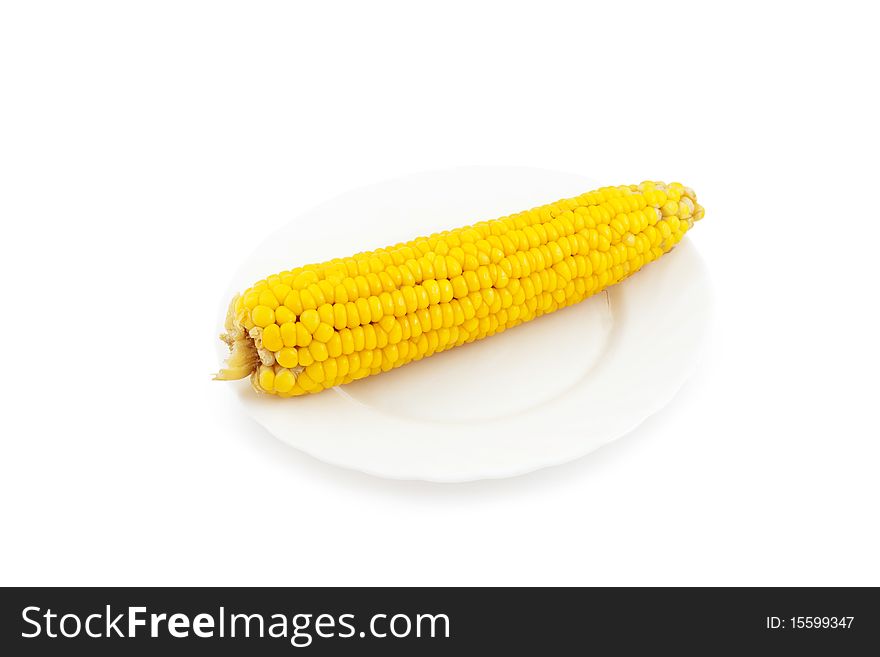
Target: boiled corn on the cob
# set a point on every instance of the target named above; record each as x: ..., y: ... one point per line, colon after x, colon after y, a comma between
x: 326, y: 324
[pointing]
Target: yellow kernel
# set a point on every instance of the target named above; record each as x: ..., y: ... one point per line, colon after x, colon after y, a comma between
x: 406, y: 276
x: 387, y: 302
x: 304, y: 381
x: 303, y: 335
x: 310, y: 319
x: 251, y: 299
x: 318, y: 350
x: 351, y: 287
x: 390, y: 354
x: 459, y: 287
x: 483, y: 277
x: 375, y: 264
x: 413, y: 266
x: 363, y: 310
x: 532, y: 235
x: 325, y: 312
x: 315, y: 372
x: 360, y: 286
x: 669, y: 209
x: 619, y: 224
x: 457, y: 312
x: 284, y: 380
x: 399, y: 303
x: 395, y: 333
x: 280, y: 292
x: 415, y: 325
x: 341, y: 367
x: 262, y: 316
x: 267, y: 378
x: 386, y: 281
x: 472, y: 280
x: 369, y: 337
x: 340, y: 294
x: 381, y: 336
x: 288, y: 334
x: 347, y: 340
x: 426, y: 268
x: 308, y: 301
x: 304, y: 279
x: 453, y: 266
x: 330, y: 370
x: 387, y: 322
x: 376, y: 309
x: 286, y: 357
x: 436, y: 316
x: 366, y: 360
x: 336, y: 317
x: 447, y: 314
x: 423, y: 299
x: 467, y: 309
x: 304, y: 356
x: 424, y: 316
x: 446, y: 291
x: 684, y: 210
x: 432, y: 288
x: 283, y: 314
x: 268, y: 299
x: 352, y: 316
x: 374, y: 282
x: 293, y: 302
x: 358, y: 336
x: 410, y: 298
x: 396, y: 277
x: 323, y: 332
x: 334, y: 346
x: 272, y: 337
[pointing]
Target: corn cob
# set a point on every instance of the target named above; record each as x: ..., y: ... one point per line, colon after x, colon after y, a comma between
x: 327, y: 324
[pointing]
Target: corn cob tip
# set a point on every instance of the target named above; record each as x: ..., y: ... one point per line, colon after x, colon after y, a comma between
x: 243, y: 357
x: 241, y: 362
x: 248, y: 357
x: 689, y: 196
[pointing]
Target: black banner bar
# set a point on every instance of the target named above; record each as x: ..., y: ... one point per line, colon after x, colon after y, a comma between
x: 408, y: 621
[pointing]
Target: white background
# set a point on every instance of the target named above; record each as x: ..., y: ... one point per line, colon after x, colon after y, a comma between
x: 147, y: 148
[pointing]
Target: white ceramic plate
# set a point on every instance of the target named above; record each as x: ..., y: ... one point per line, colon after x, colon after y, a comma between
x: 540, y: 394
